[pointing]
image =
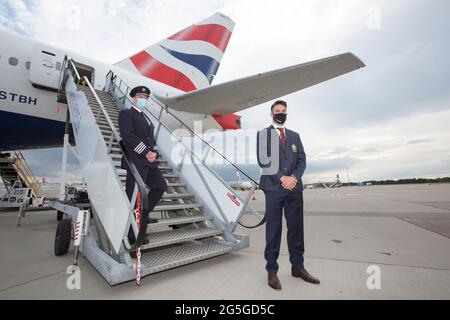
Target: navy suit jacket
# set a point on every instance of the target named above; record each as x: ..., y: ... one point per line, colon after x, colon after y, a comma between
x: 137, y: 133
x: 291, y: 159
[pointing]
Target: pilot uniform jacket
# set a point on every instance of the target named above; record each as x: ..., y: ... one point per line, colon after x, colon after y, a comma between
x: 292, y: 159
x: 137, y: 133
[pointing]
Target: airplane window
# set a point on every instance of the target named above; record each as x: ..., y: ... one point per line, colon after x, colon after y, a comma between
x: 13, y: 61
x: 27, y: 65
x: 58, y: 66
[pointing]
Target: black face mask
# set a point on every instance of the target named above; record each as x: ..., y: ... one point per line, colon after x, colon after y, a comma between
x: 280, y: 118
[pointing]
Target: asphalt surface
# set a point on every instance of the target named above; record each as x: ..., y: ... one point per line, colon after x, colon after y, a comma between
x: 404, y: 231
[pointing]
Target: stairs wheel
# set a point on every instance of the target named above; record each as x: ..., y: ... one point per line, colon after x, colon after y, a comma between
x: 63, y: 237
x: 59, y: 215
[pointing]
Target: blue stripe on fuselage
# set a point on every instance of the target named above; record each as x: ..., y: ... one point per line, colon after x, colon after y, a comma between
x: 207, y: 65
x: 19, y: 131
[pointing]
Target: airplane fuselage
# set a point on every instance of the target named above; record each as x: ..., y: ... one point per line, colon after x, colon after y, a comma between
x: 31, y: 117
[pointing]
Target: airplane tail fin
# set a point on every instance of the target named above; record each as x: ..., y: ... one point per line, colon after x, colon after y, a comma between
x: 187, y: 60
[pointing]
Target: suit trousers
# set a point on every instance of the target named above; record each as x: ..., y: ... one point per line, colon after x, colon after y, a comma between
x: 292, y: 203
x: 154, y: 179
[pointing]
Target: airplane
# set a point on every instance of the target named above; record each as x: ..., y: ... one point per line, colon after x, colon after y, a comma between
x: 178, y: 70
x: 335, y: 184
x: 327, y: 185
x: 241, y: 185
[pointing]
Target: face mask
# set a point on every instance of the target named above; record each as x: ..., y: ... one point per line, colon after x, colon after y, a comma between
x: 280, y: 118
x: 141, y: 103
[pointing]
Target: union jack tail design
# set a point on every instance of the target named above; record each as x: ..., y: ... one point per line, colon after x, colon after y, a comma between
x: 189, y: 59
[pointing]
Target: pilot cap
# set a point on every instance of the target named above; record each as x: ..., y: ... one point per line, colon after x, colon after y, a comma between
x: 139, y: 89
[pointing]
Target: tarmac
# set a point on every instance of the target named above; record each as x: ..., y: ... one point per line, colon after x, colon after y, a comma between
x: 401, y: 231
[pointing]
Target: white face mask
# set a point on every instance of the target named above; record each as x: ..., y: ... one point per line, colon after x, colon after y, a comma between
x: 141, y: 103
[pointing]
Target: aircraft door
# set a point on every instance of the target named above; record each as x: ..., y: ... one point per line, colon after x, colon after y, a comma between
x: 46, y: 64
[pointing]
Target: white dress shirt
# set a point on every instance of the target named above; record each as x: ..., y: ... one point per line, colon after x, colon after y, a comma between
x: 139, y: 110
x: 278, y: 126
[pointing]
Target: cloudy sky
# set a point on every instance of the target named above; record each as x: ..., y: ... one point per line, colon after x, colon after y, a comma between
x: 388, y: 120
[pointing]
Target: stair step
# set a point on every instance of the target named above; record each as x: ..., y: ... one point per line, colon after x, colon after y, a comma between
x: 178, y: 256
x: 123, y: 178
x: 105, y: 123
x: 118, y: 155
x: 111, y: 115
x: 161, y: 207
x: 176, y: 220
x: 165, y: 238
x: 108, y: 104
x: 117, y: 163
x: 105, y: 126
x: 102, y: 118
x: 116, y: 151
x: 170, y: 175
x: 101, y: 95
x: 176, y: 184
x: 177, y: 195
x: 109, y: 107
x: 9, y: 177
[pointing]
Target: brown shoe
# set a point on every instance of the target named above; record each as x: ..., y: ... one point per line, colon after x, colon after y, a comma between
x: 273, y: 281
x: 302, y: 273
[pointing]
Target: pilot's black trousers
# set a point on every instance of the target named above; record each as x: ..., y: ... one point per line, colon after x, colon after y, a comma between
x: 292, y: 203
x: 154, y: 179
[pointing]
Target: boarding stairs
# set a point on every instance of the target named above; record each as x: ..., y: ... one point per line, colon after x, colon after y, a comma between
x: 13, y: 168
x: 196, y: 217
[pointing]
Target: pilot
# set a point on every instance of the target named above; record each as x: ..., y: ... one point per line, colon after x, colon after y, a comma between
x: 137, y: 132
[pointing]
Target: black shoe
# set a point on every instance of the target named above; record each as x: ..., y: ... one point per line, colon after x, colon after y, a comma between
x: 305, y: 275
x: 133, y: 241
x: 273, y: 281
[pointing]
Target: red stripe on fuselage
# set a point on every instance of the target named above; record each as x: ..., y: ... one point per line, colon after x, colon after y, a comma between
x: 153, y: 69
x: 215, y: 34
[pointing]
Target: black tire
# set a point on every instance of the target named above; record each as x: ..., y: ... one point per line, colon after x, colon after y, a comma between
x: 59, y: 215
x: 63, y: 237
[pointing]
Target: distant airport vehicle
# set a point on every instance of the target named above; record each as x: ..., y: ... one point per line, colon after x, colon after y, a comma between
x: 76, y: 192
x: 22, y: 187
x: 18, y: 196
x: 52, y: 97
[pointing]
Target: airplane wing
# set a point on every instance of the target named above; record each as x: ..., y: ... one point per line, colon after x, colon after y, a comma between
x: 237, y: 95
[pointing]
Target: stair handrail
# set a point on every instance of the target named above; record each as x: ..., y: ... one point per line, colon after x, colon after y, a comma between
x: 115, y: 78
x: 25, y: 173
x: 113, y: 82
x: 142, y: 234
x: 61, y: 78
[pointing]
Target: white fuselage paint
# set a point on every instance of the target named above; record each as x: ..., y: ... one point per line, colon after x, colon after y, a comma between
x: 19, y: 96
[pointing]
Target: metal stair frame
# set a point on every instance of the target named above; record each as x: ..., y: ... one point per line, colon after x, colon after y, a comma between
x: 111, y: 257
x: 211, y: 205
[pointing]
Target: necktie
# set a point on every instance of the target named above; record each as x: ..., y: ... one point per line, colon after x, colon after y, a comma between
x: 282, y: 136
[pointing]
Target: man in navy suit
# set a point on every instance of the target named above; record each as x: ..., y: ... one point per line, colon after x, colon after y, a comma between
x: 137, y: 133
x: 283, y: 161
